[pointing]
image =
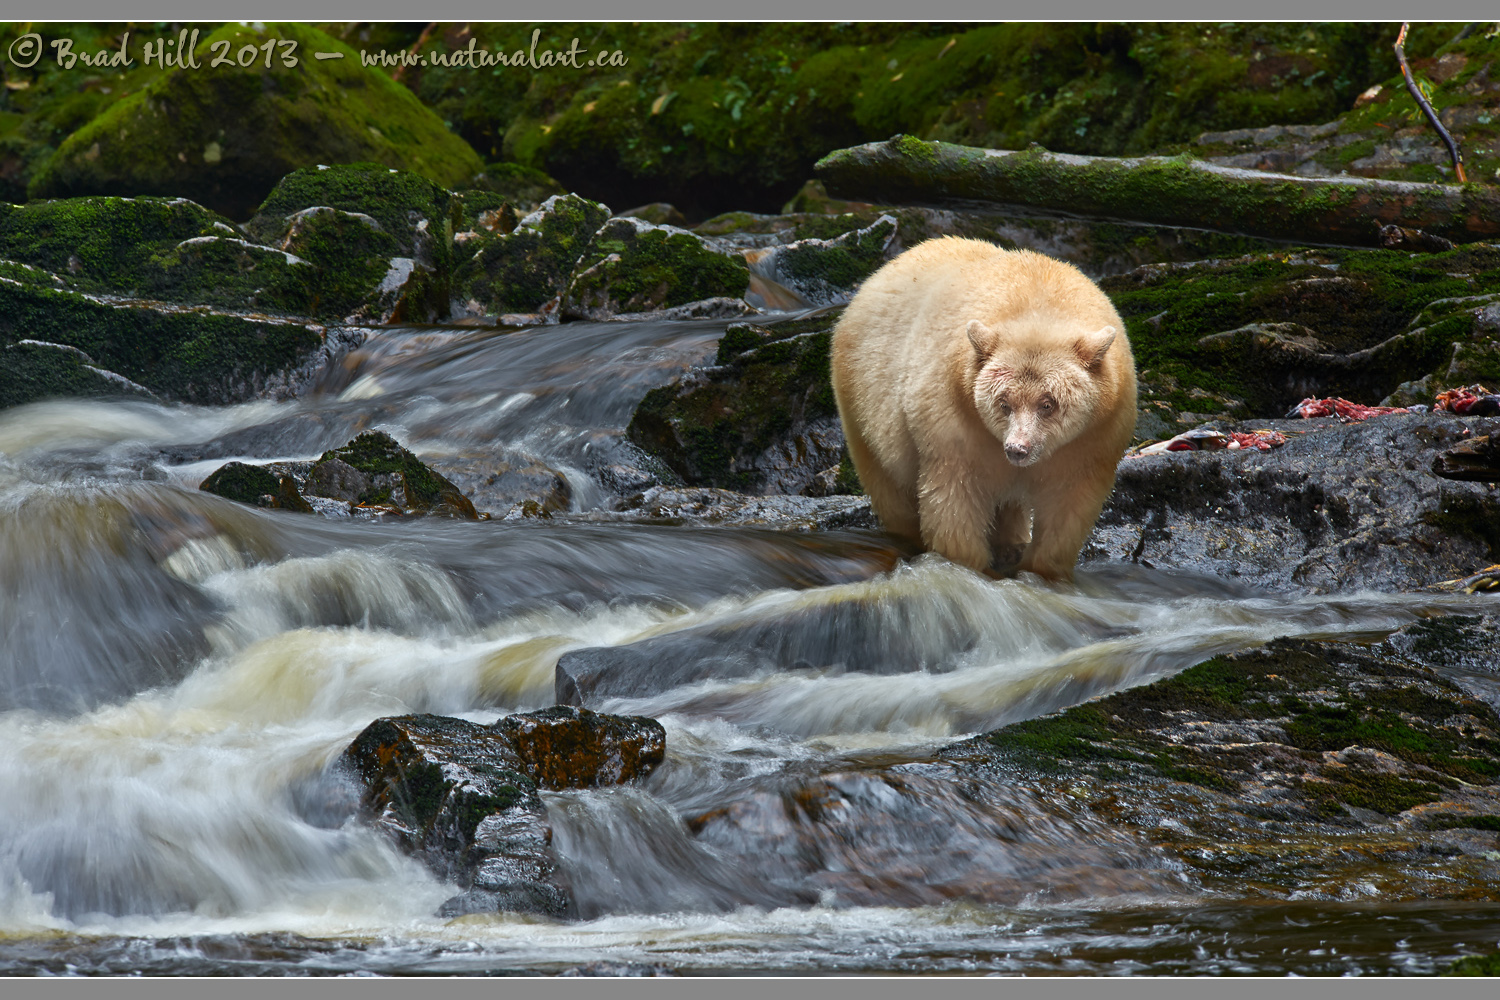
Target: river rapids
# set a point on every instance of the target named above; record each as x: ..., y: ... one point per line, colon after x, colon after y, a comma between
x: 177, y: 670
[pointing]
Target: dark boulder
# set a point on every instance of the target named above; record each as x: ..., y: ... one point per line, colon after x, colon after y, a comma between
x: 761, y: 419
x: 463, y: 796
x: 1339, y: 507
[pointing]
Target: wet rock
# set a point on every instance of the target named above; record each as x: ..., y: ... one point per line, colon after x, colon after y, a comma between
x: 375, y: 470
x: 255, y: 485
x: 632, y: 266
x: 528, y: 269
x: 524, y: 188
x: 926, y: 833
x: 463, y: 796
x: 762, y: 419
x: 1292, y: 771
x: 32, y: 370
x: 714, y: 506
x: 658, y: 213
x: 874, y: 637
x: 1338, y: 507
x: 225, y: 136
x: 1476, y: 460
x: 569, y: 747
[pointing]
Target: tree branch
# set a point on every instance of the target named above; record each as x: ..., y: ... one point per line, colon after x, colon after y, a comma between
x: 1432, y: 118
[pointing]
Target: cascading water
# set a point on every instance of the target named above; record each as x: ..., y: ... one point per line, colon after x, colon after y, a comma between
x: 177, y: 671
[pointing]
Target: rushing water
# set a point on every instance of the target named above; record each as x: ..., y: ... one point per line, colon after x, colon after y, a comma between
x: 177, y: 670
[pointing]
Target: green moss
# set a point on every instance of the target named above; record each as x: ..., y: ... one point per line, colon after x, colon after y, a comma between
x: 768, y: 380
x: 390, y: 197
x: 110, y: 245
x: 376, y: 452
x: 242, y: 483
x: 518, y: 185
x: 1469, y: 516
x: 719, y: 116
x: 1475, y: 965
x: 30, y: 372
x: 1448, y: 821
x: 521, y: 271
x: 1391, y: 713
x: 843, y: 262
x: 194, y: 357
x: 1350, y: 299
x: 655, y: 269
x: 224, y: 135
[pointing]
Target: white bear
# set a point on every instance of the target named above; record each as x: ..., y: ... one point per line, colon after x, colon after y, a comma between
x: 987, y: 396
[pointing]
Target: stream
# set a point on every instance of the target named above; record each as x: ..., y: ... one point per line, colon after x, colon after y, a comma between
x: 177, y: 670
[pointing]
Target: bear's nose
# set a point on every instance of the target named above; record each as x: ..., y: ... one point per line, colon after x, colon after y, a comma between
x: 1017, y: 452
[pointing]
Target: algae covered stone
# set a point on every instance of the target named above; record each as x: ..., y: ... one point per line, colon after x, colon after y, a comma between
x: 762, y: 419
x: 374, y: 470
x: 35, y: 370
x: 633, y: 266
x: 527, y: 270
x: 224, y: 134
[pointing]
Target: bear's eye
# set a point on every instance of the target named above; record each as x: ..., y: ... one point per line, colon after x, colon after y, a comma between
x: 1047, y: 405
x: 1005, y: 408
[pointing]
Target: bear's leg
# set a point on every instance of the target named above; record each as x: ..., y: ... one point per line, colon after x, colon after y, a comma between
x: 1008, y: 537
x: 894, y: 505
x: 1065, y: 514
x: 955, y: 516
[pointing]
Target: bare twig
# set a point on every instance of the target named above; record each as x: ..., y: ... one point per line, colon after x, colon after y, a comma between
x: 400, y: 75
x: 1432, y: 118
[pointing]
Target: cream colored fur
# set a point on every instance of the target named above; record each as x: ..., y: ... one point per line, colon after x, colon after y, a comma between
x: 985, y: 392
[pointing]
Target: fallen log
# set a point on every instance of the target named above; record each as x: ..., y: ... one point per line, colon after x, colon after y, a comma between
x: 1170, y: 191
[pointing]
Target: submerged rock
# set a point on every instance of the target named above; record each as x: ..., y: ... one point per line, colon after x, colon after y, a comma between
x: 463, y: 796
x: 372, y: 474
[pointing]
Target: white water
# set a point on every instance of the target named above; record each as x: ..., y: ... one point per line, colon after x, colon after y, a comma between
x: 178, y: 670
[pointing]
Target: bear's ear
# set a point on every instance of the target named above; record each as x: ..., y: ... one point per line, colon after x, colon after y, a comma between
x: 983, y: 338
x: 1091, y: 347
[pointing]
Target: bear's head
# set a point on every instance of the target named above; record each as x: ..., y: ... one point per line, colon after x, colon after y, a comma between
x: 1036, y: 389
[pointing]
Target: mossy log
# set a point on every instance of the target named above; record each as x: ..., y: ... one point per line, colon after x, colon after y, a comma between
x: 1172, y: 191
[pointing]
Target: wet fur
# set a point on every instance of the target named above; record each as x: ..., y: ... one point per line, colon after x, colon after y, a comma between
x: 951, y: 352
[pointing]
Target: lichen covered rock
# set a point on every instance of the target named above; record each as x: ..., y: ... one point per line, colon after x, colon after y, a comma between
x: 34, y: 370
x: 224, y: 135
x: 823, y: 272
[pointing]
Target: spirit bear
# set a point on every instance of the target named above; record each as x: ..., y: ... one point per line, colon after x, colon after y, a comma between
x: 987, y: 396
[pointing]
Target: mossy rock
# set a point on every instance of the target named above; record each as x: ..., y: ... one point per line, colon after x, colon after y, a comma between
x: 224, y: 135
x: 393, y: 477
x: 633, y: 266
x: 36, y: 371
x: 827, y: 271
x: 1475, y: 965
x: 193, y: 356
x: 165, y: 249
x: 1318, y: 710
x: 1378, y: 318
x: 480, y: 211
x: 255, y: 485
x: 762, y: 420
x: 522, y: 271
x: 523, y: 187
